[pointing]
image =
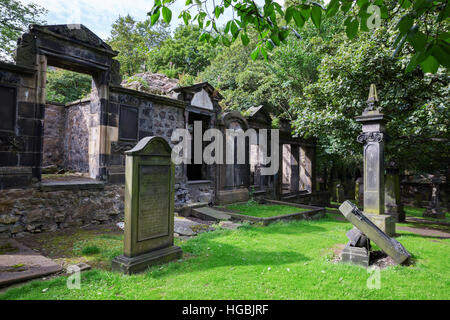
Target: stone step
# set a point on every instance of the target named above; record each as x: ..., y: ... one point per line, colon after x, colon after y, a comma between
x: 210, y: 214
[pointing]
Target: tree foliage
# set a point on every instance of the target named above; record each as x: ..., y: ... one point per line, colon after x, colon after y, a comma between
x: 424, y: 24
x: 417, y: 103
x: 135, y: 40
x: 65, y: 86
x: 14, y: 20
x: 182, y: 53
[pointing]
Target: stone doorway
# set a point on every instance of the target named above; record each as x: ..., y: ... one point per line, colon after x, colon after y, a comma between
x: 67, y: 118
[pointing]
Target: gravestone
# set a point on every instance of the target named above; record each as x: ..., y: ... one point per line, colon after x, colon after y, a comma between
x: 392, y: 200
x: 434, y: 209
x: 389, y: 245
x: 373, y: 136
x: 149, y: 207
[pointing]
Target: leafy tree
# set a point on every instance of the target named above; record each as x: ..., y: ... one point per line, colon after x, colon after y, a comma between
x: 182, y: 53
x: 424, y: 24
x: 65, y: 86
x: 14, y: 20
x: 135, y: 40
x: 276, y: 83
x: 416, y: 102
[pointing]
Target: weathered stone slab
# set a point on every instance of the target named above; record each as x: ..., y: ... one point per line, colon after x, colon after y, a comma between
x: 210, y: 214
x: 389, y: 245
x: 356, y: 255
x: 19, y: 263
x: 187, y: 209
x: 230, y: 225
x: 357, y: 238
x: 186, y: 227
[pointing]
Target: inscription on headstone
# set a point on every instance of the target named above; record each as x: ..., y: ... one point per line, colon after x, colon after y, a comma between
x: 154, y: 201
x: 149, y: 206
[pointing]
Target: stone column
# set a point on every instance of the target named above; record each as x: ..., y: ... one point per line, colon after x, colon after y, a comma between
x: 392, y: 202
x: 295, y: 168
x: 307, y: 167
x: 372, y: 137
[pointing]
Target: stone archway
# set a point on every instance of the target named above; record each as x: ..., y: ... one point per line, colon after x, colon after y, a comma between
x: 75, y: 48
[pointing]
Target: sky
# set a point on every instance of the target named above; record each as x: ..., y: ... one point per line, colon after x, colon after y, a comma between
x: 99, y: 15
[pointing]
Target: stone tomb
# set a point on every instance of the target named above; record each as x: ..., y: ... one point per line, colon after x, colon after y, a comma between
x: 149, y: 207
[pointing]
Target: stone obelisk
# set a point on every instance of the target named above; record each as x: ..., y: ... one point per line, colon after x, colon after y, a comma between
x: 373, y: 136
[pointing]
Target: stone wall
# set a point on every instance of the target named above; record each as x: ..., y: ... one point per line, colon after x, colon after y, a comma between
x: 30, y: 210
x: 158, y: 116
x: 76, y: 137
x: 54, y: 131
x: 66, y: 136
x: 21, y: 126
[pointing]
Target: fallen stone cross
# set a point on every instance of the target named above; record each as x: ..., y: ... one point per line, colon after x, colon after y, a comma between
x: 390, y: 246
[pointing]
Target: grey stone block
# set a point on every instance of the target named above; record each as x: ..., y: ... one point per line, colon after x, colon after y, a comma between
x: 356, y: 255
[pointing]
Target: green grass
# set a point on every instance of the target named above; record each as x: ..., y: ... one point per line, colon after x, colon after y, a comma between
x: 281, y: 261
x: 418, y: 213
x: 263, y: 210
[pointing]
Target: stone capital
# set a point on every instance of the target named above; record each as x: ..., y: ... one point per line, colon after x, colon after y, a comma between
x: 366, y: 137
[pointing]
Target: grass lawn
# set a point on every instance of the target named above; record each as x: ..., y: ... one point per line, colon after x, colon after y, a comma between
x: 418, y: 213
x: 263, y: 210
x: 281, y: 261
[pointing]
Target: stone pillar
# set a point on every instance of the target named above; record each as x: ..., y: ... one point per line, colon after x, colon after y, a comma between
x: 392, y: 202
x: 372, y: 137
x: 434, y: 209
x: 295, y: 168
x: 307, y: 167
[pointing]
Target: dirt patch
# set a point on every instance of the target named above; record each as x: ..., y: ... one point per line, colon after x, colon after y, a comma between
x: 59, y: 245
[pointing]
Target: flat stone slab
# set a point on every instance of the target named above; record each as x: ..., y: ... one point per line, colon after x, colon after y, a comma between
x: 72, y: 184
x: 229, y: 225
x: 389, y: 245
x: 19, y: 263
x: 186, y: 227
x: 210, y: 214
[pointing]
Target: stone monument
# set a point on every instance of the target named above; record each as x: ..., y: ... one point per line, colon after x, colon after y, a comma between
x: 372, y: 137
x: 149, y: 207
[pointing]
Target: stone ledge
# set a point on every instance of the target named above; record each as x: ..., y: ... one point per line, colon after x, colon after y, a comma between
x: 76, y: 184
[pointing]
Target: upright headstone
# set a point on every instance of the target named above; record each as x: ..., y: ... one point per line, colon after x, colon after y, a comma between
x: 149, y: 207
x: 340, y: 196
x: 434, y: 209
x: 392, y: 201
x: 372, y: 137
